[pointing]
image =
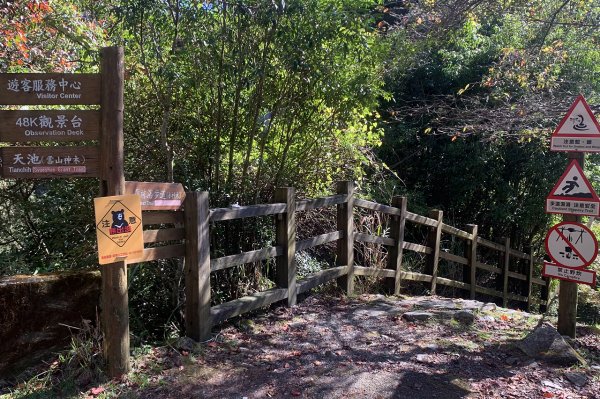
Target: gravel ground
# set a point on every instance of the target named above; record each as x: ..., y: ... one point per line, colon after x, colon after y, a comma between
x: 329, y: 347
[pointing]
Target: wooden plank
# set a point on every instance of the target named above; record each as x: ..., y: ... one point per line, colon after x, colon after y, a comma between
x: 162, y: 217
x: 230, y: 309
x: 454, y: 283
x: 433, y: 241
x: 305, y: 205
x: 49, y: 162
x: 164, y: 252
x: 456, y: 232
x: 454, y: 258
x: 490, y: 244
x: 157, y: 196
x: 362, y: 237
x: 538, y: 281
x: 471, y: 252
x: 318, y: 240
x: 198, y: 321
x: 226, y: 262
x: 396, y: 250
x: 151, y: 236
x: 49, y: 125
x: 374, y: 206
x: 530, y: 266
x: 50, y: 88
x: 285, y: 235
x: 488, y: 291
x: 518, y: 254
x: 320, y: 278
x: 489, y: 268
x: 416, y: 247
x: 416, y: 277
x: 345, y: 246
x: 374, y: 272
x: 506, y: 265
x: 515, y: 297
x: 418, y: 219
x: 517, y: 276
x: 115, y: 298
x: 241, y: 212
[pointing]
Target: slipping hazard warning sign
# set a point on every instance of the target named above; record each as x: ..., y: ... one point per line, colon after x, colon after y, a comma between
x: 573, y: 194
x: 578, y: 130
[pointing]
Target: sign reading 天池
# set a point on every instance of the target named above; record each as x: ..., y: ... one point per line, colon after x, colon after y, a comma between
x: 119, y: 228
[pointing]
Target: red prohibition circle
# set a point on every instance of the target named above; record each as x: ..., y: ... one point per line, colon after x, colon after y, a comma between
x: 584, y: 228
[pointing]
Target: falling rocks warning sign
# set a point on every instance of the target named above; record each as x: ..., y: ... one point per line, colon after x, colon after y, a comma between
x: 119, y: 228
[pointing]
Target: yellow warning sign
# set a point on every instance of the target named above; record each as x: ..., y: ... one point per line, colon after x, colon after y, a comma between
x: 119, y: 228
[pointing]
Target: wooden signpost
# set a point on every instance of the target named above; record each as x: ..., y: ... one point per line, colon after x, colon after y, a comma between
x: 157, y: 196
x: 577, y: 132
x: 49, y: 125
x: 104, y: 160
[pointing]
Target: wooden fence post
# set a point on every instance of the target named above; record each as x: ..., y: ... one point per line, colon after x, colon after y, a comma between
x: 285, y: 231
x: 345, y: 245
x: 198, y: 321
x: 433, y: 241
x: 115, y: 300
x: 505, y: 270
x: 545, y: 295
x: 397, y: 227
x: 471, y: 255
x: 529, y: 279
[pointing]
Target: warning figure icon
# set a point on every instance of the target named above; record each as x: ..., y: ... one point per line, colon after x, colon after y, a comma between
x: 570, y: 185
x: 578, y: 123
x: 115, y: 226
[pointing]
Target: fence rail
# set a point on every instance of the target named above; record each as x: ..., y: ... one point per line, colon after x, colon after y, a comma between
x: 186, y: 234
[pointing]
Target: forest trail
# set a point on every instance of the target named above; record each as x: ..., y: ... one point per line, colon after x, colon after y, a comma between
x: 334, y: 347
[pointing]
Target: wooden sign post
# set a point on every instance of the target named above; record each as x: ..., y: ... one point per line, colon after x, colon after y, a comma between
x: 567, y: 291
x: 115, y: 299
x: 105, y: 161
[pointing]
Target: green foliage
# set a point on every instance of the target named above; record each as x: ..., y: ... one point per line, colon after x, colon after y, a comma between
x: 477, y: 91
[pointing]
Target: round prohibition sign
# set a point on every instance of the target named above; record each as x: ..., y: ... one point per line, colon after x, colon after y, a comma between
x: 571, y: 244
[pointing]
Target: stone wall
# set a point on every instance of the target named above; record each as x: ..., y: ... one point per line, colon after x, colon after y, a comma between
x: 34, y: 311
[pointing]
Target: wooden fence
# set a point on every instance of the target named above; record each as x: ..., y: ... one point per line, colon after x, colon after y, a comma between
x: 186, y: 234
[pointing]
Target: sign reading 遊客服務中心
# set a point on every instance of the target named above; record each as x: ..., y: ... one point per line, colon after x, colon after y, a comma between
x: 49, y: 88
x: 49, y: 125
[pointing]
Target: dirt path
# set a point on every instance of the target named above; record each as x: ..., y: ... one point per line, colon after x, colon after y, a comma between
x: 335, y: 348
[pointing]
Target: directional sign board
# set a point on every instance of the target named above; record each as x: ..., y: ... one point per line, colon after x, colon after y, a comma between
x: 568, y: 274
x: 573, y: 194
x: 571, y: 245
x: 578, y: 130
x: 49, y: 125
x: 49, y: 88
x: 48, y: 162
x: 119, y: 228
x: 157, y: 196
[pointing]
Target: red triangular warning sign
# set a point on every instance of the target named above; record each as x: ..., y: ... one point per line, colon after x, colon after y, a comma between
x: 573, y: 194
x: 578, y: 130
